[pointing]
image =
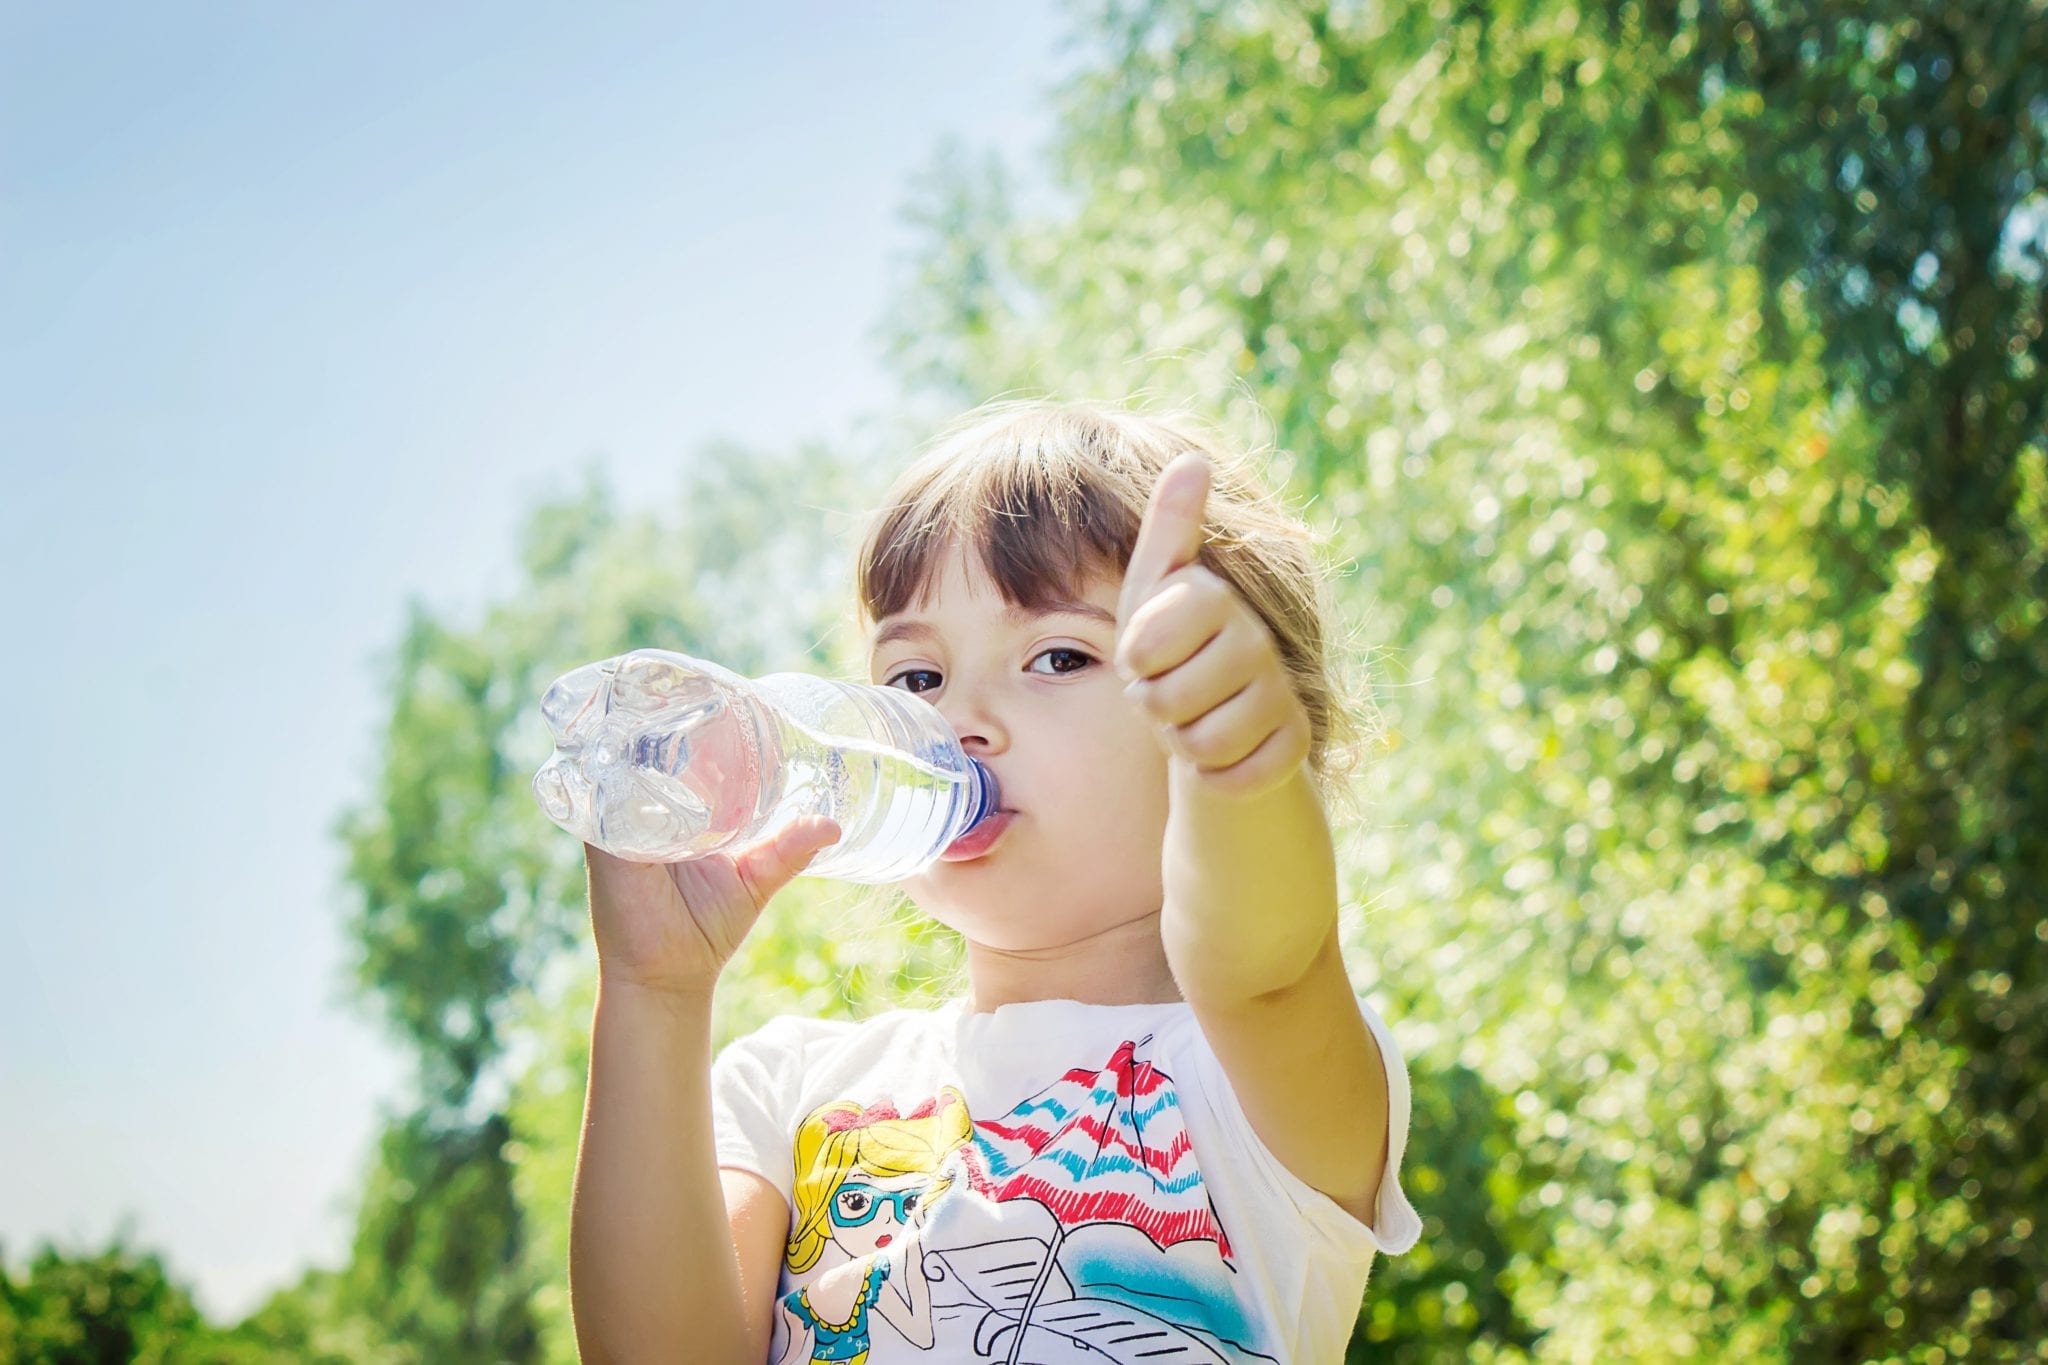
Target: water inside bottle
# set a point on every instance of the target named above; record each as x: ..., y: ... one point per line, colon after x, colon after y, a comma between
x: 913, y: 806
x: 659, y: 761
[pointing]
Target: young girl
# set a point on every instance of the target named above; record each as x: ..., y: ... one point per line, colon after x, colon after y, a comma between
x: 1159, y: 1125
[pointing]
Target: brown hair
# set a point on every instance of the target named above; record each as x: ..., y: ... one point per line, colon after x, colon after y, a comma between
x: 1050, y: 492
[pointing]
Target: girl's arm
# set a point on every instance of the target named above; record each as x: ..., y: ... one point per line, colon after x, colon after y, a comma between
x: 1251, y: 884
x: 654, y: 1273
x: 1251, y: 877
x: 652, y: 1268
x: 1263, y: 968
x: 1250, y: 919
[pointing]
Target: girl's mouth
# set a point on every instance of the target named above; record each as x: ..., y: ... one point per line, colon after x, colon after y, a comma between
x: 883, y: 1240
x: 981, y: 840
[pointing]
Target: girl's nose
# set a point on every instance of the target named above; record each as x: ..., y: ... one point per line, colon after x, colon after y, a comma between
x: 974, y: 722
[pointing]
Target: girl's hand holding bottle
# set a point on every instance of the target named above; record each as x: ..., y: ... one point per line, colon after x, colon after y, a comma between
x: 672, y: 927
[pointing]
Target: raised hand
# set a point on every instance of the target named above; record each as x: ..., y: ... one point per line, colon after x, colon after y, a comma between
x: 1198, y: 660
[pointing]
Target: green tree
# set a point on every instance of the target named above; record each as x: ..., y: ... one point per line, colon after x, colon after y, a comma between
x: 308, y: 1323
x: 1670, y: 379
x: 110, y: 1307
x: 120, y: 1305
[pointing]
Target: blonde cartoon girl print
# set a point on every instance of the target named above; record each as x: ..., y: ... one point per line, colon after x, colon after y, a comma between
x: 865, y: 1179
x: 1076, y: 1227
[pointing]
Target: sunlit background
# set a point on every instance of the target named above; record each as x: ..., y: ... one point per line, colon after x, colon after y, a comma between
x: 300, y: 308
x: 1666, y: 386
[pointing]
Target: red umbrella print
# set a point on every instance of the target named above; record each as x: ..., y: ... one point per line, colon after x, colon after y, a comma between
x: 1106, y: 1146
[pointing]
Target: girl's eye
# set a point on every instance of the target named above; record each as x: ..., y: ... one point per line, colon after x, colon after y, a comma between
x: 1083, y: 659
x: 853, y: 1201
x: 1073, y: 653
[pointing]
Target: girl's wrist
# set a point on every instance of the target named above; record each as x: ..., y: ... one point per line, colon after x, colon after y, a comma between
x: 667, y: 997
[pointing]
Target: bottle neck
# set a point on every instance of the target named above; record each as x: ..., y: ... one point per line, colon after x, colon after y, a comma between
x: 987, y: 796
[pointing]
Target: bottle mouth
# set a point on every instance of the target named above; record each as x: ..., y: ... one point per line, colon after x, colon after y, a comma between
x: 987, y: 797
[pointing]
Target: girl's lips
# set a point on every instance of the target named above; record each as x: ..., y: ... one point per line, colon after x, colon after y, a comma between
x: 980, y: 839
x: 883, y: 1240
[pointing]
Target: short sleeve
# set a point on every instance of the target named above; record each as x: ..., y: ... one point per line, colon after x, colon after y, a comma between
x: 754, y: 1080
x: 1396, y: 1225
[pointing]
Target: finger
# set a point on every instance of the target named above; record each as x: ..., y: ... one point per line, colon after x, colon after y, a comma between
x: 1170, y: 534
x: 1273, y: 764
x: 1176, y: 625
x: 1221, y: 667
x: 765, y: 868
x: 1231, y: 732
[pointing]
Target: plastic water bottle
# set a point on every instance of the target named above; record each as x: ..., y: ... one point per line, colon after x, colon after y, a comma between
x: 660, y: 757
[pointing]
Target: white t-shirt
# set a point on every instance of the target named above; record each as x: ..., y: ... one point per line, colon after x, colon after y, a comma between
x: 1082, y: 1170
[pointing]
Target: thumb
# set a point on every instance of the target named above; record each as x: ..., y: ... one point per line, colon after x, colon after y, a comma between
x: 1170, y: 534
x: 768, y: 866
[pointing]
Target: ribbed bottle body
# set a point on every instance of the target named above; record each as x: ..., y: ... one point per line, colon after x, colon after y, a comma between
x: 883, y: 764
x: 661, y: 758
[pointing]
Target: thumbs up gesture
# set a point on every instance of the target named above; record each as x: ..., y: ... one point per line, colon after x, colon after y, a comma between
x: 1198, y: 661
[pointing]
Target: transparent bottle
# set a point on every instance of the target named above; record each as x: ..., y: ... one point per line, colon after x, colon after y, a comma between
x: 660, y: 757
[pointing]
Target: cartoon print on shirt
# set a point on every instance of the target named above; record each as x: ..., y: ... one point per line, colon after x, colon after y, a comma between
x: 865, y: 1178
x: 1079, y: 1229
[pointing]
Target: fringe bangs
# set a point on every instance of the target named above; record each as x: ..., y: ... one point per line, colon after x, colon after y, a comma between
x: 1043, y: 513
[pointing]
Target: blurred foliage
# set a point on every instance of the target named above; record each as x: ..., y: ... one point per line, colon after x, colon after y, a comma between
x: 115, y: 1305
x: 119, y: 1306
x: 1669, y: 381
x: 1670, y: 376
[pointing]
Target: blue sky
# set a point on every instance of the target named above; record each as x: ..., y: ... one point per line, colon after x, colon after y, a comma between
x: 301, y: 307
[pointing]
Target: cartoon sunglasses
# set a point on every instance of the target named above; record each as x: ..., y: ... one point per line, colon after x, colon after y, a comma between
x: 856, y: 1204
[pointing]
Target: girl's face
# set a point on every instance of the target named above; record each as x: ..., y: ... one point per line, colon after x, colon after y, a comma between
x: 1037, y: 700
